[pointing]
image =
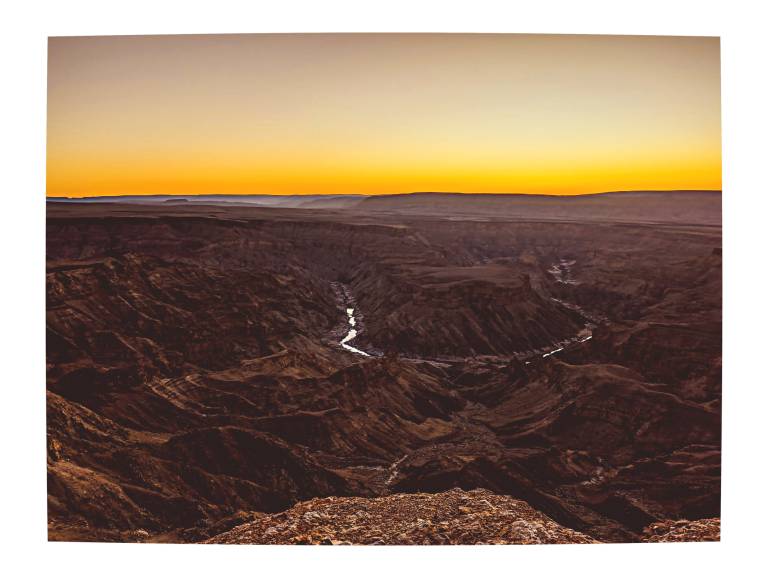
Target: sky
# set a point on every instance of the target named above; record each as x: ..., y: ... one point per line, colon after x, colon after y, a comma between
x: 382, y: 113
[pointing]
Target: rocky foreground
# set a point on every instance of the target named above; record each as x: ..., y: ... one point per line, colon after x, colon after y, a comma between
x: 452, y: 517
x: 447, y: 518
x: 707, y: 530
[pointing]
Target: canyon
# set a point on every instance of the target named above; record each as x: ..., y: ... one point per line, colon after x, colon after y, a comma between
x: 217, y: 369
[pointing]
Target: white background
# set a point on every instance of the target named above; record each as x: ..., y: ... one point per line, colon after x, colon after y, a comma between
x: 25, y: 27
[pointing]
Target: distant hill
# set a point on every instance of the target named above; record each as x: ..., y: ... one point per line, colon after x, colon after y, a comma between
x: 283, y: 201
x: 694, y: 207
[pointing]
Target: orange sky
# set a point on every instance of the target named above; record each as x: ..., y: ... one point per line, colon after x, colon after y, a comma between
x: 367, y: 113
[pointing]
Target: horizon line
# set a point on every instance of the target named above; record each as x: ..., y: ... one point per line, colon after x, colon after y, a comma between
x: 625, y: 191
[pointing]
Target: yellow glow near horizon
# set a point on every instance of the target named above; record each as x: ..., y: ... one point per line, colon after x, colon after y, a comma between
x: 390, y: 113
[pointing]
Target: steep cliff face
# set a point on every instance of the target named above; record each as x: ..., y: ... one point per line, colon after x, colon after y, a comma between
x: 459, y: 311
x: 144, y: 313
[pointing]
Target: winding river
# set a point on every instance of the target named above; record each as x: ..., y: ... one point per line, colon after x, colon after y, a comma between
x: 562, y: 273
x: 351, y: 334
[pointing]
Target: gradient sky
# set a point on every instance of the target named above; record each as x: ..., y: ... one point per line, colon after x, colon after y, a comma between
x: 368, y: 113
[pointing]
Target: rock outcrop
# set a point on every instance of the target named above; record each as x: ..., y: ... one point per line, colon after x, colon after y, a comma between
x: 452, y: 517
x: 706, y: 530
